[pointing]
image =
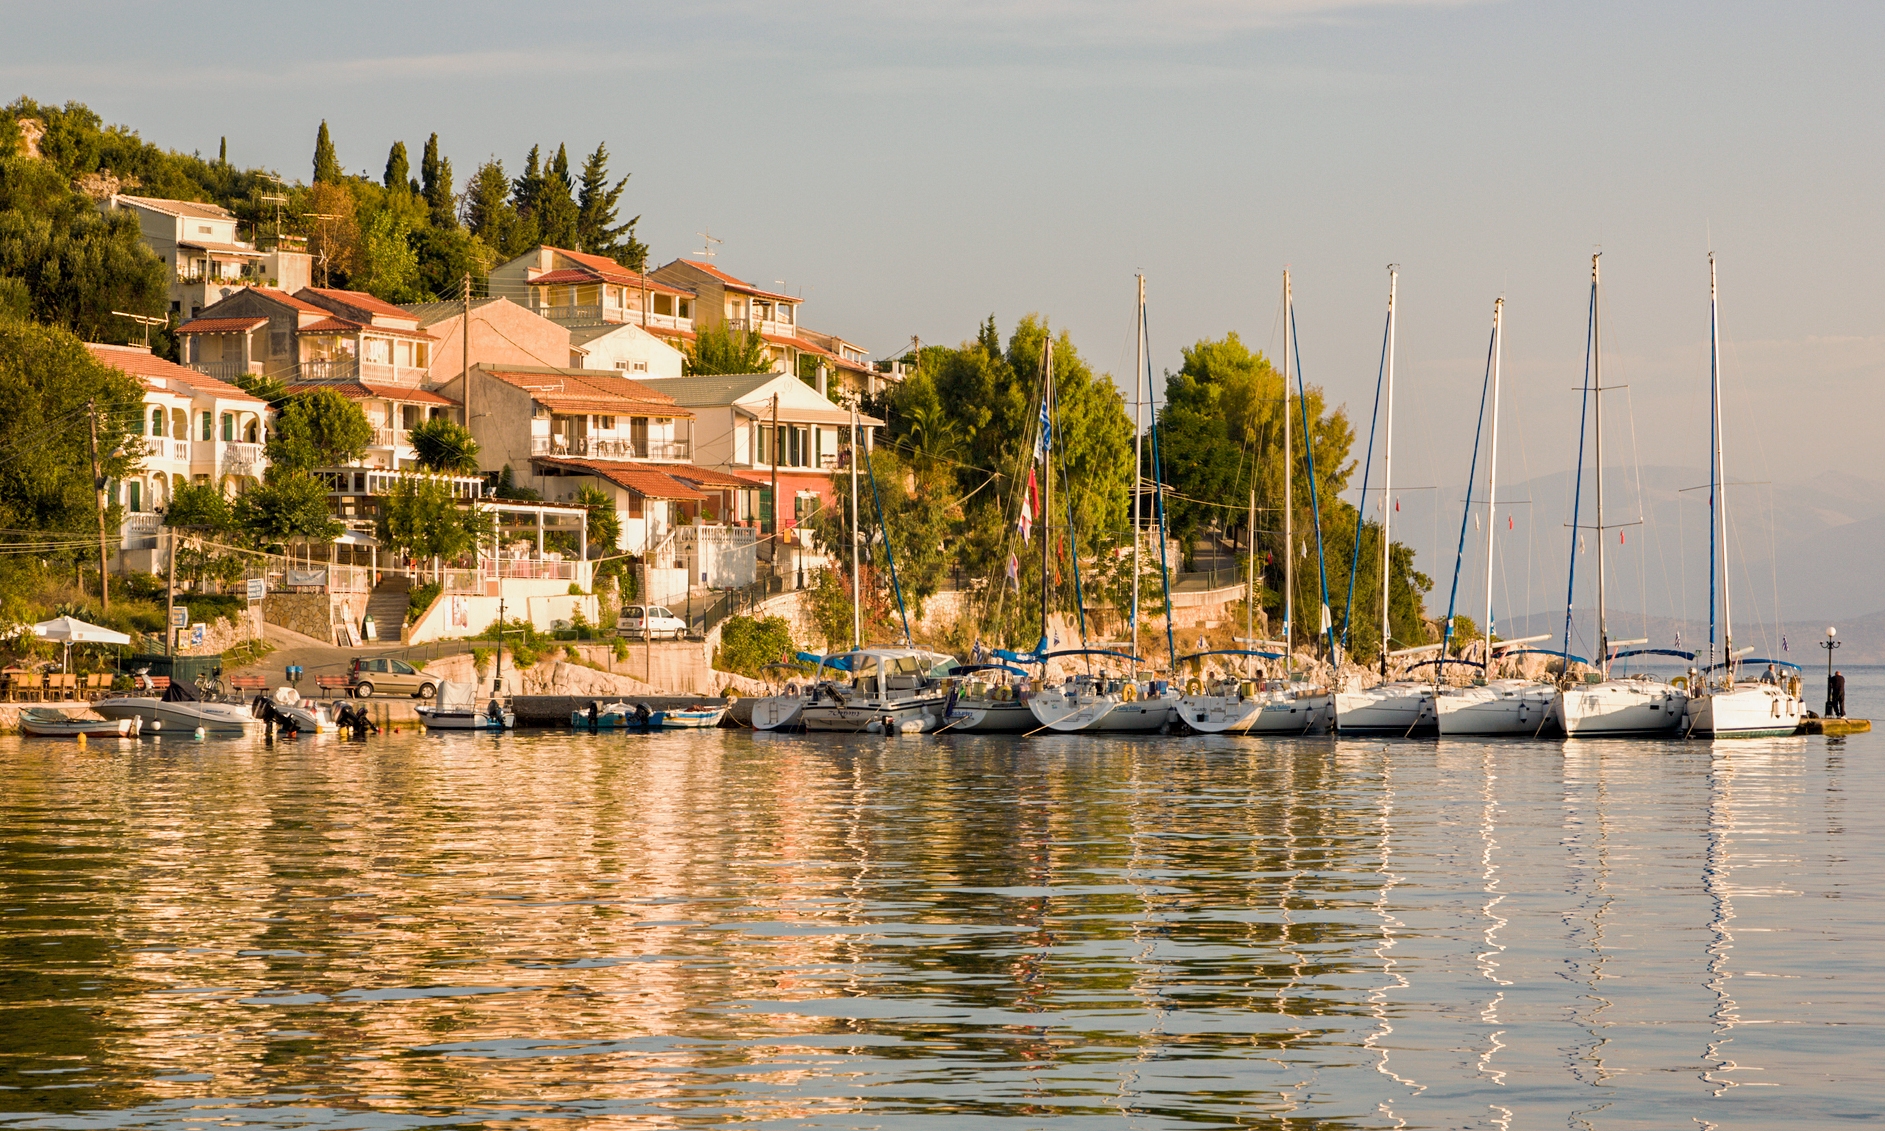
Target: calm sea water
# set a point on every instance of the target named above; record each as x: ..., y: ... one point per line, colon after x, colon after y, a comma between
x: 705, y: 930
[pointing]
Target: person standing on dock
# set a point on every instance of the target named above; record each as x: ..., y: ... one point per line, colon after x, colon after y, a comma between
x: 1836, y: 694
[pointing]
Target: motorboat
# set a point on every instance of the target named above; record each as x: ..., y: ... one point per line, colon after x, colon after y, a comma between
x: 901, y: 690
x: 1399, y: 709
x: 1762, y: 709
x: 693, y: 718
x: 46, y: 722
x: 456, y: 708
x: 304, y: 717
x: 180, y: 711
x: 1519, y: 707
x: 784, y: 711
x: 1637, y: 706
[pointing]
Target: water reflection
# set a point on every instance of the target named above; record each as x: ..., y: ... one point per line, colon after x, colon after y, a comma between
x: 721, y: 928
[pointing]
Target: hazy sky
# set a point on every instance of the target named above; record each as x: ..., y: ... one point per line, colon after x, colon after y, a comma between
x: 912, y: 167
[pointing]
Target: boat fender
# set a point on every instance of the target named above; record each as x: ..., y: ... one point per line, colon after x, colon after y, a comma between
x: 1194, y: 686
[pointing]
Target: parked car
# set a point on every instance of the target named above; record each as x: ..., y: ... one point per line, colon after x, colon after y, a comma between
x: 654, y: 622
x: 368, y: 676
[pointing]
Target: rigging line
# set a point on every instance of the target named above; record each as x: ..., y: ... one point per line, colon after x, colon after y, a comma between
x: 1165, y: 568
x: 1577, y: 491
x: 1642, y: 552
x: 1315, y: 510
x: 1773, y: 549
x: 1367, y: 466
x: 1466, y: 515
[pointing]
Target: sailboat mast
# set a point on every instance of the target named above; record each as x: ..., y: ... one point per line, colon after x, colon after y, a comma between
x: 1139, y: 383
x: 1289, y: 507
x: 1250, y: 592
x: 1047, y: 472
x: 1492, y: 466
x: 1387, y: 475
x: 1597, y: 377
x: 1718, y: 473
x: 857, y: 591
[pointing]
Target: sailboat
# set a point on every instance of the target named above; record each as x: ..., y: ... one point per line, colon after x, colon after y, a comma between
x: 1720, y: 707
x: 1604, y: 706
x: 1402, y: 707
x: 1503, y: 706
x: 1100, y: 701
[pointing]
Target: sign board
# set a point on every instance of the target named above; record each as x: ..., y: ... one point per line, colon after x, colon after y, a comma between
x: 196, y: 636
x: 180, y: 617
x: 258, y: 588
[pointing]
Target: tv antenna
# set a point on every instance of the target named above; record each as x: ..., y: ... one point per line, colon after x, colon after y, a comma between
x: 145, y: 321
x: 323, y: 217
x: 706, y: 249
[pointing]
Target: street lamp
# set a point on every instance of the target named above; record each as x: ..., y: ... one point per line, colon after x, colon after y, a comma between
x: 1829, y: 644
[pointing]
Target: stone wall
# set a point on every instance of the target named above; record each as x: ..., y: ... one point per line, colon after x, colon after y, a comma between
x: 222, y: 634
x: 306, y: 613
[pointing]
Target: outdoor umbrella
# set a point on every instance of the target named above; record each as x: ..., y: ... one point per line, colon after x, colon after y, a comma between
x: 71, y: 630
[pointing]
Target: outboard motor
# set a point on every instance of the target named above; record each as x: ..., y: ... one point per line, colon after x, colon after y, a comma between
x: 642, y: 714
x: 595, y: 712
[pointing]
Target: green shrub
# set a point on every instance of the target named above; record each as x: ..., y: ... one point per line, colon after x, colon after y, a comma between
x: 748, y: 645
x: 420, y: 598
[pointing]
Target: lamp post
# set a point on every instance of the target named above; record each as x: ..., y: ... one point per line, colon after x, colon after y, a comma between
x: 1829, y: 644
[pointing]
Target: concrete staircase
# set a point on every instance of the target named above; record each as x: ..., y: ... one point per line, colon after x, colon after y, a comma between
x: 387, y: 605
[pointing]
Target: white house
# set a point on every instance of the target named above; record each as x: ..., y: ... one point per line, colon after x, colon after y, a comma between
x: 208, y: 261
x: 625, y: 348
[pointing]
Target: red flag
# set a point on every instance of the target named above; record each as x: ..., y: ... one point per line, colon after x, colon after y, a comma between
x: 1397, y: 506
x: 1034, y: 495
x: 1508, y: 522
x: 1621, y: 538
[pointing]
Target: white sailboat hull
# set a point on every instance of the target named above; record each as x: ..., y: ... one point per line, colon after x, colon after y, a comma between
x: 1057, y: 711
x: 858, y: 716
x: 1389, y: 710
x: 990, y: 716
x: 1137, y: 716
x: 1619, y: 708
x: 1509, y: 707
x: 1219, y: 714
x: 1746, y: 711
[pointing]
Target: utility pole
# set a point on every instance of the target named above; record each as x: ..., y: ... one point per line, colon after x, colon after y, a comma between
x: 464, y: 341
x: 774, y: 532
x: 170, y: 597
x: 98, y: 503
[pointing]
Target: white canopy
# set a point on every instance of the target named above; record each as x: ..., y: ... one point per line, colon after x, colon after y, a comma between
x: 71, y: 630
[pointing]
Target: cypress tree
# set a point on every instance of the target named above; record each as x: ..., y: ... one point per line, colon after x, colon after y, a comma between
x: 326, y: 161
x: 556, y: 204
x: 398, y: 168
x: 435, y: 181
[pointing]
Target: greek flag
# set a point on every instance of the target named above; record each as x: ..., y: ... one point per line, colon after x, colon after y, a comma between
x: 1046, y: 440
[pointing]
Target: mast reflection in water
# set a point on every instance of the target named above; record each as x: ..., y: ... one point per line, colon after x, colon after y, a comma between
x: 718, y: 928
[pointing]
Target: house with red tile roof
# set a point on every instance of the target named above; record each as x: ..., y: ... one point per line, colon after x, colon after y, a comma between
x: 576, y: 288
x: 194, y: 429
x: 562, y: 429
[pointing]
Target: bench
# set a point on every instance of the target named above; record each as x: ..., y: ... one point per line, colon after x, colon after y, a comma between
x: 331, y: 683
x: 248, y: 683
x: 160, y: 683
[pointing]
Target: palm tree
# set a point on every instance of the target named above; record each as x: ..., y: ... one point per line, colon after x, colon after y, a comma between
x: 444, y: 447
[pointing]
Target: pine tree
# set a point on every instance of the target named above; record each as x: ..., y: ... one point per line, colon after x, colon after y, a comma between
x: 556, y: 212
x: 326, y: 161
x: 222, y: 152
x: 596, y: 230
x: 435, y: 181
x: 526, y: 189
x: 398, y: 168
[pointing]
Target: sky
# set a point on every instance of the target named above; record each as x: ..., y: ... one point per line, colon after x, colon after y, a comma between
x: 911, y: 168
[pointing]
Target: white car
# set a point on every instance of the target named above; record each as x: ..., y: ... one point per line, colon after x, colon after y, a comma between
x: 654, y: 622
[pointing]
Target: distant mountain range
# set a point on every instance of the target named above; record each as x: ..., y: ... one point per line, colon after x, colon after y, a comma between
x: 1862, y: 639
x: 1814, y: 550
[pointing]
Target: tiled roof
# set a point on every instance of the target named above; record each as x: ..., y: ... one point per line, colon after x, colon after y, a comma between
x: 359, y: 300
x: 289, y: 300
x: 367, y: 390
x: 618, y: 275
x: 714, y: 477
x: 799, y: 344
x: 192, y: 208
x: 647, y: 480
x: 333, y: 324
x: 221, y: 248
x: 587, y: 391
x: 221, y: 325
x: 734, y: 284
x: 432, y: 313
x: 154, y: 371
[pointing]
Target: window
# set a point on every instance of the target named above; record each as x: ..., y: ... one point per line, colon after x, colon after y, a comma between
x: 229, y: 427
x: 203, y: 229
x: 409, y: 416
x: 606, y: 423
x: 209, y: 427
x: 422, y: 354
x: 638, y: 366
x: 634, y: 505
x: 377, y: 351
x: 401, y: 667
x: 157, y: 422
x: 687, y: 308
x: 277, y: 342
x: 135, y: 496
x: 664, y: 304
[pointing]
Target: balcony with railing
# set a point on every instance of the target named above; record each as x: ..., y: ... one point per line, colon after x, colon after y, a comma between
x: 229, y: 371
x: 389, y: 437
x: 589, y: 447
x: 241, y: 458
x: 591, y: 313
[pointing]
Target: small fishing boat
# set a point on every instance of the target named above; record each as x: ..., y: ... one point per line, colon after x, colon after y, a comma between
x: 692, y: 718
x: 305, y: 718
x: 615, y: 716
x: 456, y: 708
x: 45, y: 722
